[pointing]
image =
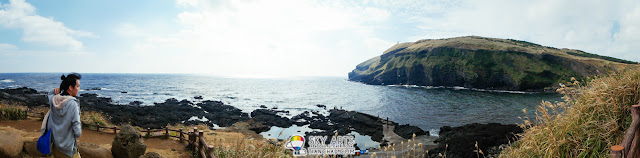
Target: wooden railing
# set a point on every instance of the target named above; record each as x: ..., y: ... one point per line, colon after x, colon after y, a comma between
x: 192, y: 140
x: 630, y: 146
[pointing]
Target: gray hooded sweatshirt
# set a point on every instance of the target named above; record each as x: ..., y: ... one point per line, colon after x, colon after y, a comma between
x: 64, y: 122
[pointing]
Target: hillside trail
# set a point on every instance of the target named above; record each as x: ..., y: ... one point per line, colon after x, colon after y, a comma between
x: 166, y: 147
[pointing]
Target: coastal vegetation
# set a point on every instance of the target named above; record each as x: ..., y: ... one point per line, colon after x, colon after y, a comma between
x: 594, y: 115
x: 12, y: 111
x: 94, y: 117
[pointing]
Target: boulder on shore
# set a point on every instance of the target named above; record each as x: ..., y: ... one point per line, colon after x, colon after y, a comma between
x: 127, y: 143
x: 31, y: 147
x: 11, y: 143
x: 90, y: 150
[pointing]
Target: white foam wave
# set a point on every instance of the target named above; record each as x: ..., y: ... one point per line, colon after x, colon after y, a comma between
x: 7, y: 81
x: 195, y: 118
x: 462, y: 88
x: 434, y: 132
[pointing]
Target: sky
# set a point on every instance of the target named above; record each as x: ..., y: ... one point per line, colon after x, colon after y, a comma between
x: 286, y: 38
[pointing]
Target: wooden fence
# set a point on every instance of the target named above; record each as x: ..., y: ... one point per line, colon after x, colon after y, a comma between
x: 193, y: 140
x: 630, y: 146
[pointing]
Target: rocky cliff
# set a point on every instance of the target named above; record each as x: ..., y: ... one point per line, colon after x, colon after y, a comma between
x: 483, y: 63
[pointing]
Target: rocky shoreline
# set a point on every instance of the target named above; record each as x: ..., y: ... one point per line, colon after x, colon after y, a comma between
x: 461, y: 141
x: 173, y: 111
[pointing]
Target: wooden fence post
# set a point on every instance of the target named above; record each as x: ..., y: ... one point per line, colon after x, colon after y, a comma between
x: 189, y: 140
x: 200, y: 144
x: 634, y: 151
x: 115, y: 130
x: 192, y: 138
x: 210, y: 151
x: 166, y: 130
x: 97, y: 126
x: 180, y: 137
x: 148, y: 132
x: 629, y: 146
x: 616, y: 151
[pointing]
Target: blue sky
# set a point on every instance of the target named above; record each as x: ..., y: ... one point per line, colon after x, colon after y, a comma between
x: 286, y: 38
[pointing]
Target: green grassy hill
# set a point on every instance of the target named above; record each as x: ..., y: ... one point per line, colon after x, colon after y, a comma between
x: 485, y: 63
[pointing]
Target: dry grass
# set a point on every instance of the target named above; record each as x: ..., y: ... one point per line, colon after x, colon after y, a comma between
x: 12, y: 111
x: 593, y: 117
x: 409, y: 149
x: 93, y: 117
x: 235, y: 141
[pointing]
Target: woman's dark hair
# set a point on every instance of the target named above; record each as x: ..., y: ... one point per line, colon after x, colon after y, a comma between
x: 69, y: 80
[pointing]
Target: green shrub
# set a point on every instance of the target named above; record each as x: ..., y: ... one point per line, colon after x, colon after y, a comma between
x: 12, y: 111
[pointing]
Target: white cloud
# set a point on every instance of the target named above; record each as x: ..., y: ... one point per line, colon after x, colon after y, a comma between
x: 18, y: 14
x: 302, y: 38
x: 586, y: 25
x: 268, y: 38
x: 6, y: 46
x: 129, y: 30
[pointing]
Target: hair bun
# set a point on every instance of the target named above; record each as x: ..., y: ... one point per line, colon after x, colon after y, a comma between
x: 63, y: 78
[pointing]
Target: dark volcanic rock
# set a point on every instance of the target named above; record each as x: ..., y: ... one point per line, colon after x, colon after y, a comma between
x: 270, y: 118
x: 257, y: 127
x: 93, y: 89
x: 30, y: 97
x: 362, y: 123
x: 344, y: 122
x: 407, y: 131
x: 160, y: 114
x: 222, y: 115
x: 461, y: 140
x: 136, y: 103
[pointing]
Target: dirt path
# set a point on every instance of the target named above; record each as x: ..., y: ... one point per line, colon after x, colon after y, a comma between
x: 391, y: 136
x: 165, y: 147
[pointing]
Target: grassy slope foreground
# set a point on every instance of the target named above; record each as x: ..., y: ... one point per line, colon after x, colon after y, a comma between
x: 485, y: 63
x: 593, y: 117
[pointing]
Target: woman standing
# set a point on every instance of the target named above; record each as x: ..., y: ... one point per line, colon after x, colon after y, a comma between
x: 64, y: 119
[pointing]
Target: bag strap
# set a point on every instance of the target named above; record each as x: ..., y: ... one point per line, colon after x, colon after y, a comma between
x: 46, y: 126
x: 46, y: 121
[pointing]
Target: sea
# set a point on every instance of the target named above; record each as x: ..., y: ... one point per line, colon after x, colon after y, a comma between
x: 426, y: 107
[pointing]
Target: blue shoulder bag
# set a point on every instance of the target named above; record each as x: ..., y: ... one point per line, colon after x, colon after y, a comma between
x: 44, y: 142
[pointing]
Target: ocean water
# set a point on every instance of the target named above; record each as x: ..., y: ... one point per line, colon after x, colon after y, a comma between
x: 427, y: 108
